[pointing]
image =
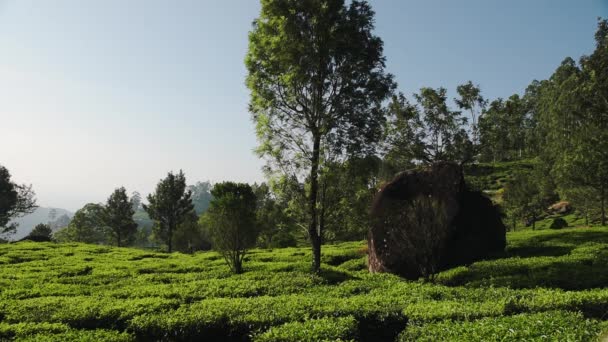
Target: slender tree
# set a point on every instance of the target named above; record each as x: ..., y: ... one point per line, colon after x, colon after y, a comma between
x: 470, y: 99
x: 427, y: 131
x: 16, y: 200
x: 169, y: 205
x: 317, y: 81
x: 118, y: 217
x: 136, y: 200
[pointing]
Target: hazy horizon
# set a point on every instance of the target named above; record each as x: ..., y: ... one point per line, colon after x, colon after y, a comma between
x: 104, y: 94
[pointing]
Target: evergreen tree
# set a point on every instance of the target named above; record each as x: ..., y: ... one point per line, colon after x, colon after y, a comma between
x: 118, y: 217
x: 169, y: 206
x: 41, y: 230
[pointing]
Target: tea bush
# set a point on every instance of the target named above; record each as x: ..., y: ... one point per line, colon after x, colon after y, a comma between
x: 546, y: 283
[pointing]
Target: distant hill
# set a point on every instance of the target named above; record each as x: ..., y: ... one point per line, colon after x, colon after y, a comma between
x: 28, y: 222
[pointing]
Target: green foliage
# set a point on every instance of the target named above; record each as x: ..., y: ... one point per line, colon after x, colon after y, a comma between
x: 232, y: 222
x: 503, y: 128
x: 428, y: 131
x: 87, y: 225
x: 317, y: 78
x: 523, y: 199
x: 569, y: 259
x: 15, y: 200
x: 493, y: 177
x: 169, y: 206
x: 191, y: 236
x: 553, y: 326
x: 274, y: 224
x: 323, y: 329
x: 78, y: 291
x: 201, y: 196
x: 41, y: 230
x: 118, y: 217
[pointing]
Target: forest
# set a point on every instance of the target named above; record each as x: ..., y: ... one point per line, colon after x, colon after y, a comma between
x: 288, y: 259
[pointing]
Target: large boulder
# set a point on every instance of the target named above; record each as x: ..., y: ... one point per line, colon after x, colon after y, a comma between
x: 562, y: 207
x: 426, y: 219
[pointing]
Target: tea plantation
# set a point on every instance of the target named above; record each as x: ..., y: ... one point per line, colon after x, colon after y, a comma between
x: 548, y: 286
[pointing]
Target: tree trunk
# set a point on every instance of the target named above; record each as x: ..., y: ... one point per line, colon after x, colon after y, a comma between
x: 603, y: 207
x: 313, y: 231
x: 170, y: 237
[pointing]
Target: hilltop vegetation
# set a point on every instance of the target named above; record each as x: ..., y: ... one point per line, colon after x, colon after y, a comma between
x: 548, y: 285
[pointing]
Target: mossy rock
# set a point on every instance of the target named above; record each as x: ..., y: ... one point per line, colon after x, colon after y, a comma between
x: 558, y: 223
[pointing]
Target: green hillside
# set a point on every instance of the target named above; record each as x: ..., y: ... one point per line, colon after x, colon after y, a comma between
x: 548, y: 285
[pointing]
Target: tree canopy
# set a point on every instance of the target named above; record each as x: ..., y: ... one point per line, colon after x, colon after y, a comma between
x: 316, y: 73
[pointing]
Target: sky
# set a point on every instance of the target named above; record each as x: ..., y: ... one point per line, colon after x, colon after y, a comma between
x: 99, y: 94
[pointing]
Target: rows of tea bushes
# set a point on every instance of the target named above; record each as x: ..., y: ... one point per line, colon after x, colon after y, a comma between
x: 548, y: 284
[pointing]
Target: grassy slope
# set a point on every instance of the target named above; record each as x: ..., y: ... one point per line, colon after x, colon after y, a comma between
x: 549, y: 285
x: 491, y: 178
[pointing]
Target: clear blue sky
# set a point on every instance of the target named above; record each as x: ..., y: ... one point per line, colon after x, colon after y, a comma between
x: 102, y: 93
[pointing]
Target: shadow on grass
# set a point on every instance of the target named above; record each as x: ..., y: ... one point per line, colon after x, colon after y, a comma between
x: 569, y: 260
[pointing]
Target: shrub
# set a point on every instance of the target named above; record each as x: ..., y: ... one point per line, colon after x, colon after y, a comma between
x: 554, y: 326
x: 323, y: 329
x: 558, y: 223
x: 232, y: 222
x: 283, y: 239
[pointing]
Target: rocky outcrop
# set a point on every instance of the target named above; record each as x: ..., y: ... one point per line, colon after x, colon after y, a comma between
x: 562, y: 207
x: 430, y: 213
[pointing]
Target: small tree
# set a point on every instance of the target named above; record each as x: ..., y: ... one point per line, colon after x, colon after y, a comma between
x: 190, y: 236
x: 232, y: 222
x: 523, y: 199
x: 15, y: 201
x: 41, y: 230
x: 136, y: 200
x: 86, y: 226
x: 470, y: 99
x: 169, y: 206
x: 118, y: 217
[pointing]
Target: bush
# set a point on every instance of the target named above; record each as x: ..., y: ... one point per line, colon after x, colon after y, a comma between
x: 558, y: 223
x: 554, y: 326
x: 85, y: 292
x: 283, y: 239
x: 324, y: 329
x: 231, y: 219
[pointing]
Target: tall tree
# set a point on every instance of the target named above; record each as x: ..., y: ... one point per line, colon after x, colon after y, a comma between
x: 169, y: 205
x: 503, y: 129
x: 118, y: 216
x: 522, y: 198
x: 16, y: 200
x: 136, y: 200
x: 201, y: 196
x: 317, y: 81
x: 427, y: 131
x: 232, y: 222
x: 574, y: 121
x: 470, y: 99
